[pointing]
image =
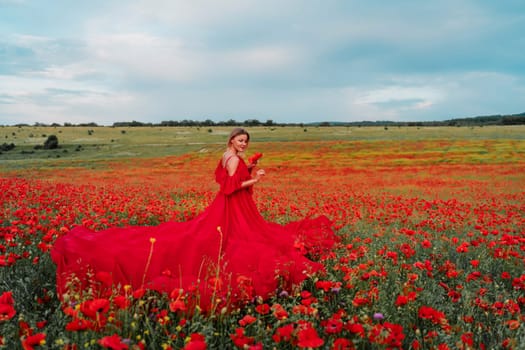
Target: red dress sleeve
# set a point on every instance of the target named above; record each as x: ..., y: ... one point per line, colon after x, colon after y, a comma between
x: 230, y: 184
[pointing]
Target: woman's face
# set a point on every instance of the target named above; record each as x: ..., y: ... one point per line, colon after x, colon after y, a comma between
x: 239, y: 143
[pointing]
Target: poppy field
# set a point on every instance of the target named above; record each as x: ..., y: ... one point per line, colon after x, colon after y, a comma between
x: 431, y: 256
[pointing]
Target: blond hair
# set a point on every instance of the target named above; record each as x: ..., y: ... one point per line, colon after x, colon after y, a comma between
x: 236, y: 132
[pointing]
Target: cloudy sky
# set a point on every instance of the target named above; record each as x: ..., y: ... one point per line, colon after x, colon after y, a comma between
x: 287, y: 60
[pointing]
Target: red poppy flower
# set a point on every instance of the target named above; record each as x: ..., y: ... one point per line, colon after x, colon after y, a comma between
x: 95, y: 307
x: 113, y: 342
x: 308, y: 338
x: 240, y: 340
x: 426, y: 243
x: 122, y: 301
x: 79, y: 324
x: 7, y: 298
x: 29, y: 342
x: 279, y: 312
x: 426, y: 312
x: 468, y: 339
x: 358, y: 301
x: 7, y: 312
x: 262, y: 309
x: 333, y: 326
x: 246, y: 320
x: 139, y: 293
x: 253, y: 159
x: 324, y: 285
x: 177, y: 305
x: 401, y: 300
x: 395, y: 334
x: 356, y: 328
x: 429, y: 313
x: 343, y: 344
x: 283, y: 333
x: 197, y: 342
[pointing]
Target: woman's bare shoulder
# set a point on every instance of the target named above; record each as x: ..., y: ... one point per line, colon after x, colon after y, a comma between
x: 229, y: 158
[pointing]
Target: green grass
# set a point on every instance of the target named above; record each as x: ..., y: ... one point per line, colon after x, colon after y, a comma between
x: 87, y: 145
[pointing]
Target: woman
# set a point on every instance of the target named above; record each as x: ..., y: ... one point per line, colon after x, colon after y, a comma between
x: 225, y: 256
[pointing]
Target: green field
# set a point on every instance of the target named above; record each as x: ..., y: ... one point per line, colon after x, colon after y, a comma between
x: 82, y: 145
x: 430, y: 220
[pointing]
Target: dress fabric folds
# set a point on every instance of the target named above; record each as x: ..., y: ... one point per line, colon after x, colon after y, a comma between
x: 228, y: 254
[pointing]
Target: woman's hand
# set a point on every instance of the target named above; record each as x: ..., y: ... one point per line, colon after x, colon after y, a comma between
x: 260, y: 173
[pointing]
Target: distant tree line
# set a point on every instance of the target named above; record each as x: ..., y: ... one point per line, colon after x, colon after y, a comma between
x: 207, y: 122
x: 512, y: 119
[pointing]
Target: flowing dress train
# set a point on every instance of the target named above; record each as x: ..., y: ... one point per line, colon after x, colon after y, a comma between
x: 228, y: 254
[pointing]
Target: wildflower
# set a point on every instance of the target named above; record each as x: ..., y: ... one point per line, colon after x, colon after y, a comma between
x: 283, y: 294
x: 79, y: 324
x: 29, y: 342
x: 467, y: 338
x: 356, y: 328
x: 401, y: 300
x: 246, y: 320
x: 262, y: 309
x: 122, y: 302
x: 163, y: 318
x: 358, y: 301
x: 279, y: 312
x: 139, y: 293
x: 196, y: 342
x: 324, y: 285
x: 93, y: 308
x: 7, y: 310
x: 240, y: 340
x: 283, y: 333
x: 333, y: 325
x: 378, y: 316
x: 253, y: 159
x: 113, y: 342
x: 426, y: 243
x: 435, y: 316
x: 343, y: 344
x: 177, y: 305
x: 395, y: 334
x: 308, y: 338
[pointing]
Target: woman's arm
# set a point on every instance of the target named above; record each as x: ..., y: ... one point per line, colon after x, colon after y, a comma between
x: 260, y: 173
x: 231, y: 167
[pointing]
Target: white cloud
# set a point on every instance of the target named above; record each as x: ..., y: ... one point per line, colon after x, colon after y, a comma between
x: 200, y: 13
x: 289, y: 61
x: 262, y: 58
x: 73, y: 71
x: 145, y: 56
x: 30, y: 99
x: 418, y: 95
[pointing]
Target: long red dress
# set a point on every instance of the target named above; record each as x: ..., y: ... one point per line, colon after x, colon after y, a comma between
x: 226, y: 255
